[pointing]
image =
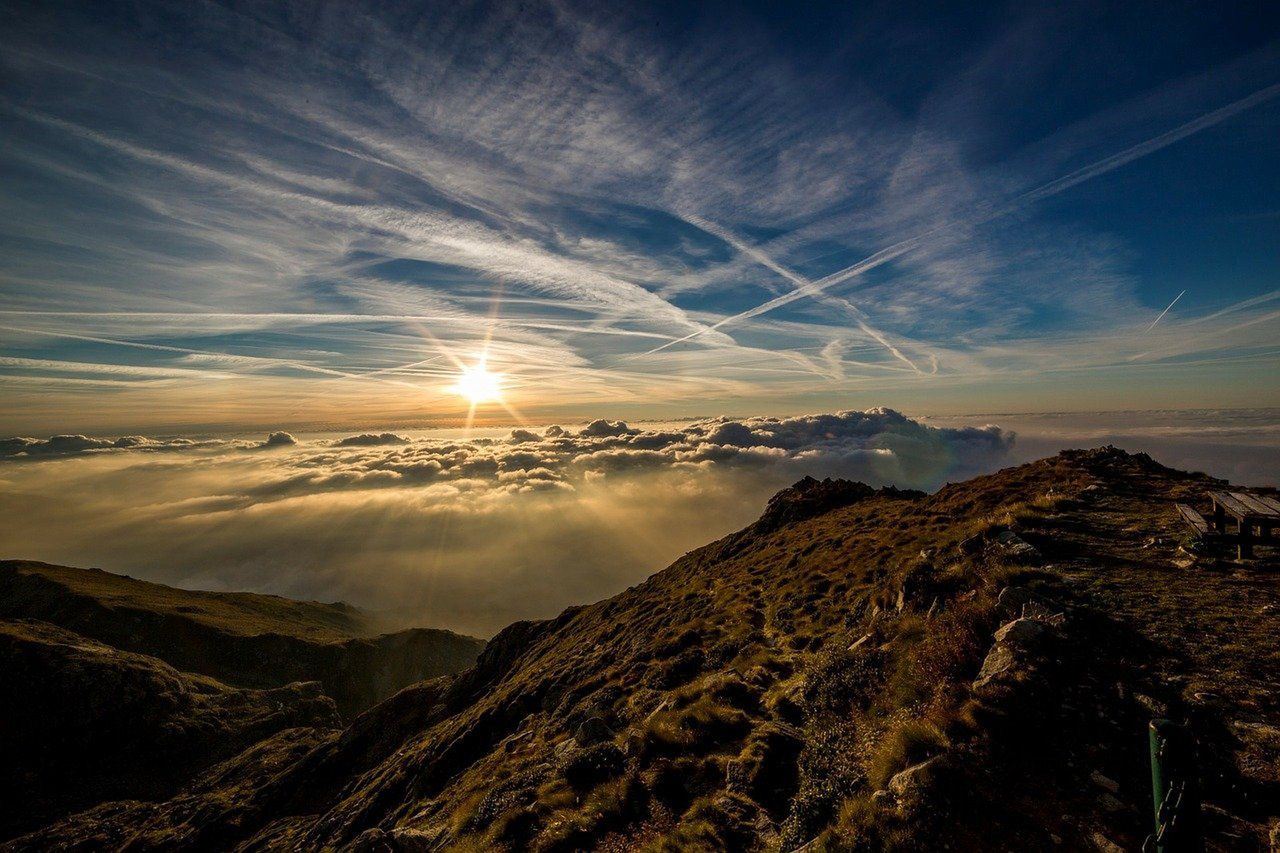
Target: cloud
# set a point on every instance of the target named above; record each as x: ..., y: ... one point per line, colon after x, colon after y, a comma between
x: 600, y: 428
x: 280, y: 439
x: 472, y: 533
x: 356, y: 229
x: 18, y: 447
x: 468, y: 533
x: 71, y: 445
x: 370, y: 439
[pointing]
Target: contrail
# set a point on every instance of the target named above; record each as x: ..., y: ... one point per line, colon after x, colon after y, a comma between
x: 804, y: 287
x: 1162, y: 313
x: 1093, y: 170
x: 247, y: 359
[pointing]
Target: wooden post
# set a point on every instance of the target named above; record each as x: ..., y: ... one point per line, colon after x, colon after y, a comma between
x: 1219, y: 518
x: 1244, y: 550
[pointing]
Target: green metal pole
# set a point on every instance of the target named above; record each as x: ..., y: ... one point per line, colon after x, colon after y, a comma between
x: 1174, y: 789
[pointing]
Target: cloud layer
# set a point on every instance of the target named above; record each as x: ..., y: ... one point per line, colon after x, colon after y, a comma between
x: 469, y: 533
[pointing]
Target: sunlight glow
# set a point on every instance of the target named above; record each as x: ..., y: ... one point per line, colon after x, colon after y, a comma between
x: 478, y: 384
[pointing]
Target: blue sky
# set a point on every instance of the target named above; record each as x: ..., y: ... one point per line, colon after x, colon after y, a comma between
x: 221, y: 215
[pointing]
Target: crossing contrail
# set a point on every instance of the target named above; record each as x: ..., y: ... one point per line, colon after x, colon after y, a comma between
x: 1051, y: 188
x: 1162, y: 313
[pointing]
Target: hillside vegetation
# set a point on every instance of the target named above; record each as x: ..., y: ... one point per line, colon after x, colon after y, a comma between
x: 244, y: 639
x: 859, y: 670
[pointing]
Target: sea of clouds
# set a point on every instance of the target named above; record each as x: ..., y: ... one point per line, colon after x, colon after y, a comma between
x: 466, y: 532
x: 473, y: 531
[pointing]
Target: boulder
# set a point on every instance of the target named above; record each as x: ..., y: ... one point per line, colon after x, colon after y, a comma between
x: 1016, y: 547
x: 593, y: 730
x: 1020, y: 652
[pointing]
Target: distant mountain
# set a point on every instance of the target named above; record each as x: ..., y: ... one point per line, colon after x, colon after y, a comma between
x: 860, y: 670
x: 243, y: 639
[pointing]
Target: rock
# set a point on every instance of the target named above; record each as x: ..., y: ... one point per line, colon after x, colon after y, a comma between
x: 883, y: 799
x: 971, y: 545
x: 1104, y: 845
x: 1026, y: 631
x: 1107, y: 784
x: 513, y: 742
x: 1153, y: 706
x: 1015, y: 546
x: 809, y: 498
x: 1020, y: 650
x: 565, y: 747
x: 661, y: 706
x: 593, y: 730
x: 1275, y: 837
x: 372, y: 841
x: 861, y: 641
x: 1016, y: 601
x: 908, y: 783
x: 1111, y: 804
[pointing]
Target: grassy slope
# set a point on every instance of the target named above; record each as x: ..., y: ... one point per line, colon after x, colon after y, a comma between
x: 245, y: 639
x: 244, y: 614
x: 764, y: 690
x: 84, y: 722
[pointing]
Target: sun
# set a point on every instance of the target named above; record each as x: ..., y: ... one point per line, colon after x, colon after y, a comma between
x: 478, y: 384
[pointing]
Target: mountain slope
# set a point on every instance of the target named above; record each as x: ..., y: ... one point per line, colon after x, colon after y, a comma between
x: 243, y: 639
x: 83, y: 722
x: 859, y: 670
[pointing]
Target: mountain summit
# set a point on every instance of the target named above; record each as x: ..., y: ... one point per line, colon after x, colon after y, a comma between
x: 860, y: 669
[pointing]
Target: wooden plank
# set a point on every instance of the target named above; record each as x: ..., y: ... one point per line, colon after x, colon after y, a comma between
x: 1193, y: 518
x: 1230, y: 504
x: 1269, y: 501
x: 1259, y: 508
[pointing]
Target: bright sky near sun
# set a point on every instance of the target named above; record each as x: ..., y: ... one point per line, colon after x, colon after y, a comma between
x: 225, y: 215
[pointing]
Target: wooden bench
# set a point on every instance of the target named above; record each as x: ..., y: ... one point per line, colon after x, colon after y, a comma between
x: 1249, y: 511
x: 1194, y: 520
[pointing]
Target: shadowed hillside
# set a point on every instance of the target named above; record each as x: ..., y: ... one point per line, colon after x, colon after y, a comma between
x: 243, y: 639
x: 859, y: 670
x: 83, y: 722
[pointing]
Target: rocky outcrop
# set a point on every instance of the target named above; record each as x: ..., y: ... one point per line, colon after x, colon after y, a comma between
x: 1023, y: 653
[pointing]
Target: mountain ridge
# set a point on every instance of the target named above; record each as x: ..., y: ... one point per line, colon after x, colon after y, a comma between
x: 865, y: 670
x: 244, y: 639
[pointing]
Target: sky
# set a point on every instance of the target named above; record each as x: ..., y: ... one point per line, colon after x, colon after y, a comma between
x: 220, y: 216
